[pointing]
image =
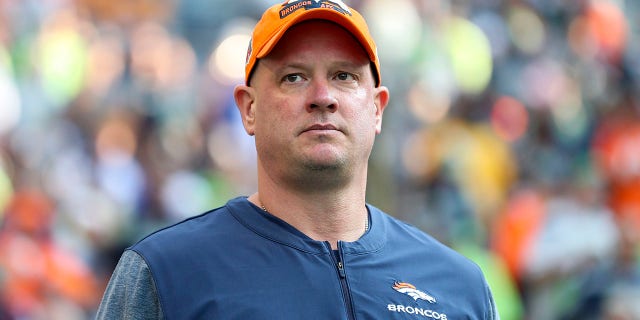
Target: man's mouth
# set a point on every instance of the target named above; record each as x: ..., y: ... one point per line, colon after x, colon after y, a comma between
x: 321, y: 127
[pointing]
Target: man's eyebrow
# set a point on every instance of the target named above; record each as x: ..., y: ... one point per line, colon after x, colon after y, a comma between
x: 293, y: 65
x: 283, y: 67
x: 351, y: 64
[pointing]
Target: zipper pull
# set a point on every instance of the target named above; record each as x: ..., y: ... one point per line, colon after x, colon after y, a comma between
x: 341, y: 270
x: 337, y: 258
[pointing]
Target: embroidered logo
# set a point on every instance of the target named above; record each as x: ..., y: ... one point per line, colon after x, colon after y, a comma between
x: 292, y: 6
x: 410, y: 290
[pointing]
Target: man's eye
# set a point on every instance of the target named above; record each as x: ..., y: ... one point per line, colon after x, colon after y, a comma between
x: 292, y: 78
x: 345, y: 76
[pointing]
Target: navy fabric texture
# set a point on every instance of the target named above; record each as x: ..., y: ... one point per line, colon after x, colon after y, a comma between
x: 240, y: 262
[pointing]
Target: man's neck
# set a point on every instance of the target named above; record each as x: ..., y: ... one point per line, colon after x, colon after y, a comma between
x: 332, y: 217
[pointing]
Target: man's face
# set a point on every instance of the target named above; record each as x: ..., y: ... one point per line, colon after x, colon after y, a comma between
x: 316, y: 106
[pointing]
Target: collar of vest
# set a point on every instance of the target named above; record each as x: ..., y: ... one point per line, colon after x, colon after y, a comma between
x: 277, y: 230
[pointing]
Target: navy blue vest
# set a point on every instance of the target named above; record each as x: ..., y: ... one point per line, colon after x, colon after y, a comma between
x: 239, y: 262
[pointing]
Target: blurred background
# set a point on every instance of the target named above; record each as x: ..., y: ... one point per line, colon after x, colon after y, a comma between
x: 512, y: 136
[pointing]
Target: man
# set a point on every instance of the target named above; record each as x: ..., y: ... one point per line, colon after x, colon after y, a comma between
x: 305, y: 245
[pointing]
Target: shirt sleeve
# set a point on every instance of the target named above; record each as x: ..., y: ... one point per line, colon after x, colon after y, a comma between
x: 131, y: 292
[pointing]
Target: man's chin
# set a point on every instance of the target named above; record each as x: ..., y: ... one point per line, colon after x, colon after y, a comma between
x: 319, y: 176
x: 324, y: 165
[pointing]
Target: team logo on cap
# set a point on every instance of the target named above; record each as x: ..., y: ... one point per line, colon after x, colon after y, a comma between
x: 292, y: 6
x: 410, y: 290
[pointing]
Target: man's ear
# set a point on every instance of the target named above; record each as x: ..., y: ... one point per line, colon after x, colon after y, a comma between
x: 381, y: 99
x: 245, y: 101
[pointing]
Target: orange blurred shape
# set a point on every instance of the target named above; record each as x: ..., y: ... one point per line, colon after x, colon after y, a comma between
x: 29, y: 211
x: 37, y: 270
x: 516, y: 227
x: 22, y: 264
x: 624, y: 199
x: 509, y: 118
x: 69, y: 277
x: 34, y: 268
x: 607, y: 27
x: 616, y: 149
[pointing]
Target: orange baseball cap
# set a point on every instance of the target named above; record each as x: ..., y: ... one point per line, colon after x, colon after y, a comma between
x: 280, y: 17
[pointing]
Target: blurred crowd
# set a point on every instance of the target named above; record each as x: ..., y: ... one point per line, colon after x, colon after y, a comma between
x: 512, y: 135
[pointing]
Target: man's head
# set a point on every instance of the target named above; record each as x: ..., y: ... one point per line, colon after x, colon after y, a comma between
x: 315, y: 102
x: 281, y: 17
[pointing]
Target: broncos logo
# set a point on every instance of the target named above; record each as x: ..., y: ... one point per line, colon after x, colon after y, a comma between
x: 344, y: 8
x: 411, y: 291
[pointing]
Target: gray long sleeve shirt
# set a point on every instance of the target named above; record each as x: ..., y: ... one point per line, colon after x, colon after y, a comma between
x: 131, y: 293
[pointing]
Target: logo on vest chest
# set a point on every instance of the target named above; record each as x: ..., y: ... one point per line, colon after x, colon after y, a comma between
x: 413, y: 292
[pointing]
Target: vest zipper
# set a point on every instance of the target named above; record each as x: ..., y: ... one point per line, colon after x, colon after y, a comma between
x: 346, y: 295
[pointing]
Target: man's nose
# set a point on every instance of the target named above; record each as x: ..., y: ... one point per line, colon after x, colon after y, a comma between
x: 321, y: 96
